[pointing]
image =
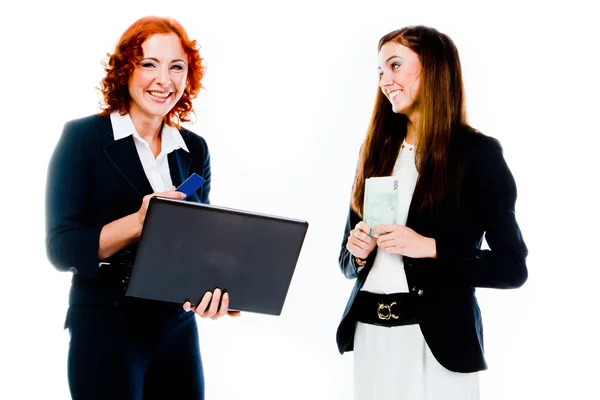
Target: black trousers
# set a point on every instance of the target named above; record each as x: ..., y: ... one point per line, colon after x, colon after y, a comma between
x: 140, y: 351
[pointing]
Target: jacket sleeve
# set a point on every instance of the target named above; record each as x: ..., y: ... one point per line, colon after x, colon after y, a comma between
x: 71, y: 242
x: 494, y: 194
x: 346, y: 260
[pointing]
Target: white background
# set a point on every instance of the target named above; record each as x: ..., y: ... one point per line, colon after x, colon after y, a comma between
x: 288, y: 94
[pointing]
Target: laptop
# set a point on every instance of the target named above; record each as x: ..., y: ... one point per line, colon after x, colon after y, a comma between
x: 188, y: 248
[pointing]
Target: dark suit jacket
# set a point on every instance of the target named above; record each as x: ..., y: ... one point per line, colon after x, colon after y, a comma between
x: 444, y: 289
x: 94, y: 180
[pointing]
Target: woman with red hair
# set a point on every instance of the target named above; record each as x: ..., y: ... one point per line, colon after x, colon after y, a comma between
x: 102, y: 174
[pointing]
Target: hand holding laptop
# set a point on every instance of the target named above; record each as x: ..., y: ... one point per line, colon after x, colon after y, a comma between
x: 213, y: 311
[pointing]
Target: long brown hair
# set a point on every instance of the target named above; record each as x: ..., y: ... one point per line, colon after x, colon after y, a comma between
x: 441, y: 114
x: 128, y: 52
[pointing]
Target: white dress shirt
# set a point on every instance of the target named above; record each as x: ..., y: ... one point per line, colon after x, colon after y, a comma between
x: 156, y: 169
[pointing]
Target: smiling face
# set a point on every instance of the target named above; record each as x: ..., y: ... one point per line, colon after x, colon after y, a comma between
x: 159, y: 79
x: 400, y: 77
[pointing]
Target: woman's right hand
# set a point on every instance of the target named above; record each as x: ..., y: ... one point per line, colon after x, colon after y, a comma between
x: 360, y: 244
x: 172, y: 194
x: 121, y: 233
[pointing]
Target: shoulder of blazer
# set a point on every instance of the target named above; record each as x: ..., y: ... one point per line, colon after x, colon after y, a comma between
x: 82, y: 135
x: 475, y: 146
x: 484, y: 166
x: 90, y: 122
x: 194, y: 141
x: 90, y: 128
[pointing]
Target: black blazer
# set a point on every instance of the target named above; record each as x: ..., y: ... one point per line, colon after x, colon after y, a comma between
x: 444, y: 289
x: 93, y: 180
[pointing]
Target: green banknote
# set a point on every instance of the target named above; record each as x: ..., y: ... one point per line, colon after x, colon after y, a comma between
x: 380, y: 200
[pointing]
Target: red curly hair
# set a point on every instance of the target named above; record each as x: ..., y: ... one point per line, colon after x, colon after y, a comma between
x: 120, y: 66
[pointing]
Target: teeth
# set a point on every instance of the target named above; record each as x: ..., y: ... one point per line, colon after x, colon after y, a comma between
x: 394, y: 94
x: 161, y: 95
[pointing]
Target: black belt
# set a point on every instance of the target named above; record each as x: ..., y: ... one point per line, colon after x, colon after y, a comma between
x: 393, y: 309
x: 118, y: 267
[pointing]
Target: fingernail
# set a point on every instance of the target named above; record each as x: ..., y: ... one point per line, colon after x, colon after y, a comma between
x: 370, y: 233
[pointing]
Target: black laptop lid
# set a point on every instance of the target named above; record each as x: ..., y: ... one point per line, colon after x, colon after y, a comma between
x: 189, y: 248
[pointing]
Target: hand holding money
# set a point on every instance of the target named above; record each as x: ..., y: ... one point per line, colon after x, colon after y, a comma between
x: 400, y: 239
x: 360, y: 244
x: 379, y: 208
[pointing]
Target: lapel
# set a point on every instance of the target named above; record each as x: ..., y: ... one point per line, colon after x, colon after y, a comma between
x: 420, y: 222
x: 412, y: 214
x: 123, y: 154
x: 179, y: 166
x: 180, y: 163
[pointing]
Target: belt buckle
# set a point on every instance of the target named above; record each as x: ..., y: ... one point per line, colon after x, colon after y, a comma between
x: 384, y: 311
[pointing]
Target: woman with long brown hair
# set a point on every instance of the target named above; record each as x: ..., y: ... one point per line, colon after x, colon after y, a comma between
x: 412, y: 319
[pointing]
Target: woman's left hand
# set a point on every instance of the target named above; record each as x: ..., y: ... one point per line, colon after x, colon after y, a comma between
x: 209, y: 306
x: 399, y: 239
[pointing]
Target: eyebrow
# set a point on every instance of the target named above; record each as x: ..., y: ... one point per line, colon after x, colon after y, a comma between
x: 157, y: 60
x: 388, y: 60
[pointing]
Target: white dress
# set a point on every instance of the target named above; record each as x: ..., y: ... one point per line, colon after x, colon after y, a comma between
x: 395, y: 363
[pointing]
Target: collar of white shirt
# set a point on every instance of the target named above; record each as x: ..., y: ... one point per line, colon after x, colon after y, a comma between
x: 123, y: 126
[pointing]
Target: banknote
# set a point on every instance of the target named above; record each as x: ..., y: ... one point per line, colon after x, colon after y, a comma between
x: 380, y: 200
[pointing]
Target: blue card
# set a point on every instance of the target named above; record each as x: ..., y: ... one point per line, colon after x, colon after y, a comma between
x: 191, y: 184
